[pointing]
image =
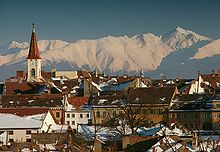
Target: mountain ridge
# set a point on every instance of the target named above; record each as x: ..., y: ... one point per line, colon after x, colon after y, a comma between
x: 111, y: 54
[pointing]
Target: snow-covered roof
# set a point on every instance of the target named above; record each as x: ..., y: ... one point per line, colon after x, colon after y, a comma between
x: 176, y: 130
x: 16, y: 122
x: 58, y: 128
x: 103, y: 133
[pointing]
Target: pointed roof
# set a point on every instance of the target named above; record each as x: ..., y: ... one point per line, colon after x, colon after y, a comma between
x: 33, y: 50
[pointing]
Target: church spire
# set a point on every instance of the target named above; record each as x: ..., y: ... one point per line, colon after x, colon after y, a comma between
x: 33, y: 50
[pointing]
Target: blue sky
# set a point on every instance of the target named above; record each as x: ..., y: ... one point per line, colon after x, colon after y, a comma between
x: 71, y: 20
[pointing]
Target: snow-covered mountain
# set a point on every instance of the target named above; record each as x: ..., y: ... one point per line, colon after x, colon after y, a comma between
x: 153, y: 54
x: 180, y: 38
x: 208, y: 50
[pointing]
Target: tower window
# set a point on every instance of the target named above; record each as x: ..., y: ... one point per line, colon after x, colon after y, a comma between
x: 33, y: 72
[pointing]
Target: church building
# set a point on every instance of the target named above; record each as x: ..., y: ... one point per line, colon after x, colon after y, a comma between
x: 34, y: 60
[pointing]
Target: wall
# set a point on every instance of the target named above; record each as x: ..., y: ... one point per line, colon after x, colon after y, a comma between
x: 191, y: 119
x: 77, y: 119
x: 153, y: 114
x: 18, y: 136
x: 60, y: 111
x: 68, y: 74
x: 48, y: 120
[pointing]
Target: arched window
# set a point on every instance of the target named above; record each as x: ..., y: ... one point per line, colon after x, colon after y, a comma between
x: 33, y: 72
x: 97, y: 114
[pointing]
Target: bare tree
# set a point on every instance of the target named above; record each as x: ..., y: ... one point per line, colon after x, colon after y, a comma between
x: 130, y: 117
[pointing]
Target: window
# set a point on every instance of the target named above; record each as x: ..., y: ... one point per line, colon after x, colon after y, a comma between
x: 87, y: 115
x: 170, y: 115
x: 104, y: 114
x: 144, y: 111
x: 11, y: 140
x: 73, y: 122
x: 28, y: 140
x: 196, y: 116
x: 191, y: 126
x: 185, y: 116
x: 33, y: 72
x: 114, y: 113
x: 74, y: 131
x: 158, y: 111
x: 11, y: 132
x: 73, y: 115
x: 97, y: 114
x: 186, y: 125
x: 197, y: 126
x: 178, y: 115
x: 190, y: 115
x: 209, y: 115
x: 68, y: 115
x: 57, y: 114
x: 68, y: 122
x: 28, y: 132
x: 173, y: 115
x: 81, y: 115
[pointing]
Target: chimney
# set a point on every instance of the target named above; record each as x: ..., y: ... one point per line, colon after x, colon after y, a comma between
x: 53, y: 71
x: 61, y: 79
x: 213, y: 73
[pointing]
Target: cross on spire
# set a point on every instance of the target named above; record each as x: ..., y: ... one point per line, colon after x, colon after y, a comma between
x: 33, y: 29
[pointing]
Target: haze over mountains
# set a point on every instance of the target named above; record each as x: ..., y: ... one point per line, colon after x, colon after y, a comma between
x: 178, y: 53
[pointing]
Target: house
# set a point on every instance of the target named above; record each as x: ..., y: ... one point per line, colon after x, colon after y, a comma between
x: 67, y: 74
x: 30, y: 100
x: 152, y: 102
x: 194, y: 111
x: 20, y: 123
x: 106, y: 107
x: 77, y: 111
x: 216, y: 111
x: 206, y: 83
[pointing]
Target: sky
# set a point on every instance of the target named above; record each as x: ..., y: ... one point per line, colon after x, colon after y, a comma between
x: 71, y: 20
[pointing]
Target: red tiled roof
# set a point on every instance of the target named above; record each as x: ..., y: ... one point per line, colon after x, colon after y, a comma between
x: 15, y: 87
x: 213, y: 80
x: 24, y: 111
x: 84, y: 74
x: 46, y: 75
x: 153, y: 95
x: 33, y: 50
x: 78, y: 101
x: 29, y: 100
x: 70, y: 84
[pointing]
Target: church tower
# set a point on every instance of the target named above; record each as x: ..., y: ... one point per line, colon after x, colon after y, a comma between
x: 34, y: 60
